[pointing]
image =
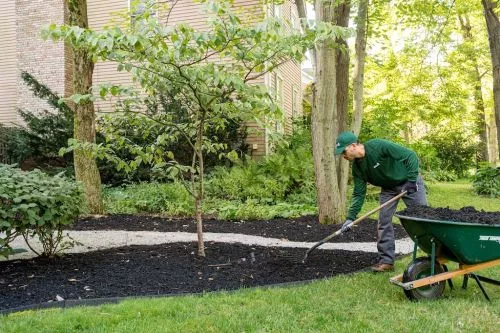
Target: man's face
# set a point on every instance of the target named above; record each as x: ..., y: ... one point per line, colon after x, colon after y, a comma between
x: 351, y: 152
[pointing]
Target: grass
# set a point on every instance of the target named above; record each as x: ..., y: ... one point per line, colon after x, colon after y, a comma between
x: 454, y: 195
x: 361, y: 302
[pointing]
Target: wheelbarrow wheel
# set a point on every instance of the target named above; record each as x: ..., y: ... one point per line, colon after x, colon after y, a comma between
x: 419, y: 269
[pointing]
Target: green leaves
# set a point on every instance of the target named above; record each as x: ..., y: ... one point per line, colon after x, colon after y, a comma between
x: 35, y: 203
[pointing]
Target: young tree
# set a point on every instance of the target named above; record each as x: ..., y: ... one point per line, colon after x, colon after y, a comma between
x: 493, y: 25
x: 212, y: 74
x: 86, y: 169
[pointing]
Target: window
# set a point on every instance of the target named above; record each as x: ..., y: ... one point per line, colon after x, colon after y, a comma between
x: 277, y: 11
x: 295, y: 102
x: 278, y: 93
x: 295, y: 21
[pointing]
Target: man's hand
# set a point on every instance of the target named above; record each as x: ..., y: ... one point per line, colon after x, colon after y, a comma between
x: 346, y: 226
x: 410, y: 187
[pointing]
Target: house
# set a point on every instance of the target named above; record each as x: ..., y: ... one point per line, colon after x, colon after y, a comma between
x: 24, y: 50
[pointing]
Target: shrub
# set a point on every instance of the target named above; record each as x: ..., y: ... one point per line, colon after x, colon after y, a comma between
x: 486, y: 181
x: 168, y: 198
x: 455, y: 151
x: 36, y: 204
x: 286, y: 173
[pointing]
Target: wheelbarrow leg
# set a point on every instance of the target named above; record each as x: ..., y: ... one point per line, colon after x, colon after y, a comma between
x: 488, y: 280
x: 466, y: 280
x: 450, y: 283
x: 480, y: 285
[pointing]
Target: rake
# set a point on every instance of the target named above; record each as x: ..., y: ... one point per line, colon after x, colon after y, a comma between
x: 338, y: 232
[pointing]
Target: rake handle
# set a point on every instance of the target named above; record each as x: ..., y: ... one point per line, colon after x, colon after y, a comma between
x: 338, y: 232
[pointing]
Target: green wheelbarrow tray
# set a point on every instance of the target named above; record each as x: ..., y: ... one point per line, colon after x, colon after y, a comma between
x: 473, y: 246
x: 465, y: 243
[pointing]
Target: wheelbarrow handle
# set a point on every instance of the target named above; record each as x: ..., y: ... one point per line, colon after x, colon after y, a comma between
x: 338, y: 232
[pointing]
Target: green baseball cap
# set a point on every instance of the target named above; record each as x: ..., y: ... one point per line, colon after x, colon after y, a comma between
x: 343, y: 140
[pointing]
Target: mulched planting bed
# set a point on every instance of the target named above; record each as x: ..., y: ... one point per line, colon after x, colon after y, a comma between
x: 165, y: 269
x: 302, y: 229
x: 465, y: 214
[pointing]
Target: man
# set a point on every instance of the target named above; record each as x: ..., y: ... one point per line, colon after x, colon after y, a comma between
x: 392, y: 167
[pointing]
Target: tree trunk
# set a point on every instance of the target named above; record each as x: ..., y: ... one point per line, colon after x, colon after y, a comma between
x: 86, y: 169
x: 359, y: 66
x: 324, y: 124
x: 342, y: 72
x: 199, y: 226
x: 481, y: 127
x: 199, y: 194
x: 493, y: 25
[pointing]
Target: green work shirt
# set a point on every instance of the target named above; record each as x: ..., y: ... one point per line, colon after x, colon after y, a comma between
x: 385, y: 164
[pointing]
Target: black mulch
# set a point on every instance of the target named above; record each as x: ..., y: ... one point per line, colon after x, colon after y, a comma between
x: 465, y: 214
x: 164, y: 269
x: 302, y: 229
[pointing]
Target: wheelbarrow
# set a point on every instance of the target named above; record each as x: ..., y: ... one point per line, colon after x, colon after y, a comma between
x: 473, y: 246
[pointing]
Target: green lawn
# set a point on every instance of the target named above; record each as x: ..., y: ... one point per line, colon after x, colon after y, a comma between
x: 454, y: 195
x: 361, y: 302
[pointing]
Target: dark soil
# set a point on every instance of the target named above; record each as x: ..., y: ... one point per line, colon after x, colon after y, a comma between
x: 164, y: 269
x: 302, y: 229
x: 175, y: 268
x: 465, y: 214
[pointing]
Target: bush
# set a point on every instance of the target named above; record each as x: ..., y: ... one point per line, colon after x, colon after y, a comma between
x: 168, y: 198
x: 282, y: 175
x: 36, y: 204
x: 486, y: 181
x: 455, y: 151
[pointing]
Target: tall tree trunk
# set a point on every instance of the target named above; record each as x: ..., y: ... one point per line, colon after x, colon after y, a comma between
x: 324, y: 124
x: 481, y: 127
x: 342, y: 72
x: 359, y: 66
x: 86, y: 169
x: 493, y: 25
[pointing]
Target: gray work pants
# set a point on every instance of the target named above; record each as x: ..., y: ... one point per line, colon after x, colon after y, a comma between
x: 385, y: 240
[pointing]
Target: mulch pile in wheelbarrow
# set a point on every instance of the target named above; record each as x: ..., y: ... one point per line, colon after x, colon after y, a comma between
x: 465, y: 214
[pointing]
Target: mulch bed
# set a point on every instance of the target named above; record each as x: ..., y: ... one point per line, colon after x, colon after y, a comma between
x: 302, y: 229
x: 465, y: 214
x: 165, y: 269
x: 175, y: 268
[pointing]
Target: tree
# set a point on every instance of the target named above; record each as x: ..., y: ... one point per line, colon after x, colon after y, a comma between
x: 493, y: 25
x: 325, y: 124
x: 86, y: 169
x: 359, y: 66
x: 210, y: 73
x: 481, y: 126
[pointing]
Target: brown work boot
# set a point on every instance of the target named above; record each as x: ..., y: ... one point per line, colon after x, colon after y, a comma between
x: 381, y: 267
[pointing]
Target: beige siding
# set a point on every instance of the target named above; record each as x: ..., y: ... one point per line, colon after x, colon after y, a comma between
x: 101, y: 14
x: 8, y: 69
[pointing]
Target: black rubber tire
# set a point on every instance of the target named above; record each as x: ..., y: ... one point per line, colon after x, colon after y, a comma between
x: 418, y: 269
